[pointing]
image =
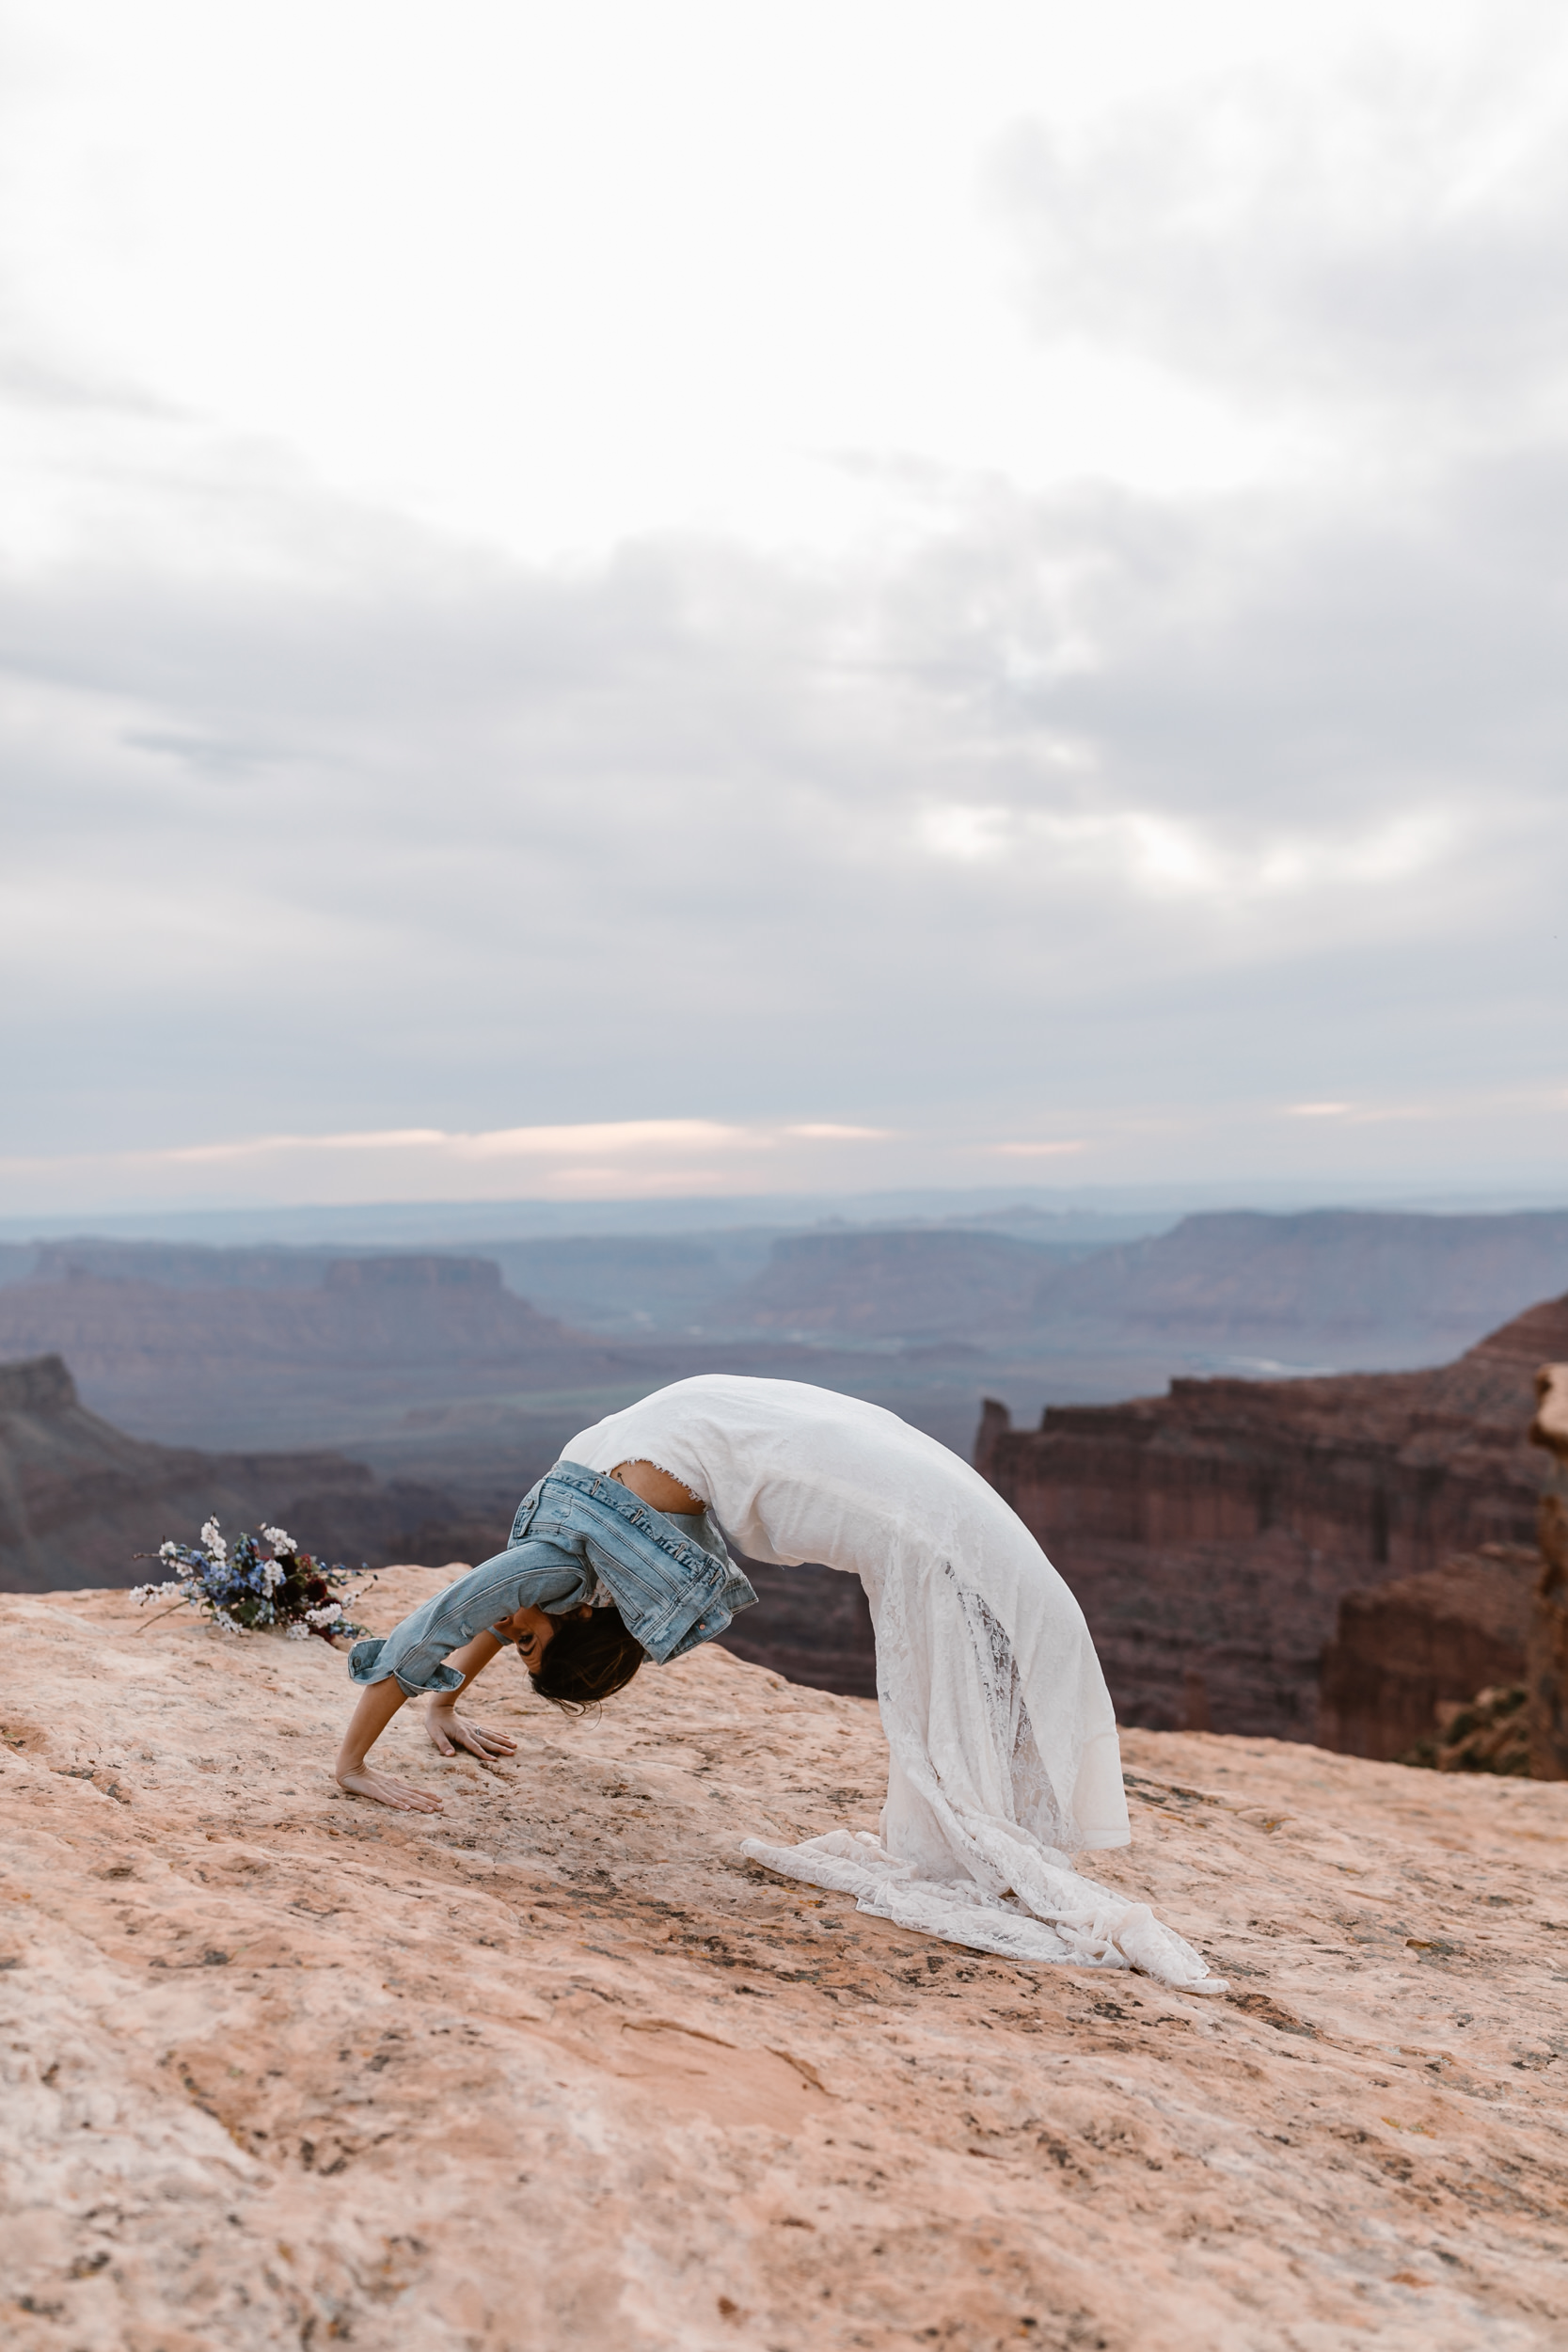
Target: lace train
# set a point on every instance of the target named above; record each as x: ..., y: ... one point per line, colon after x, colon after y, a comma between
x: 1088, y: 1925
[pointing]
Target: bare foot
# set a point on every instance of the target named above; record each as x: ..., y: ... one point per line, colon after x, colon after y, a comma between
x: 382, y: 1788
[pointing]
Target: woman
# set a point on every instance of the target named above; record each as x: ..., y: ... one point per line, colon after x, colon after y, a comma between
x: 1003, y: 1759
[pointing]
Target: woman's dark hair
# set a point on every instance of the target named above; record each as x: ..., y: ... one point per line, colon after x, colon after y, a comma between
x: 587, y: 1659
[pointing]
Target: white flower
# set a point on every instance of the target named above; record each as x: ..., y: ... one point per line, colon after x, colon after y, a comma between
x: 166, y: 1551
x: 271, y: 1575
x: 281, y: 1541
x: 213, y: 1543
x: 296, y: 1632
x: 174, y: 1589
x: 229, y: 1625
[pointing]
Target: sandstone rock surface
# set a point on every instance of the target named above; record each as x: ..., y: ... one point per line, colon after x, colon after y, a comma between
x: 558, y: 2068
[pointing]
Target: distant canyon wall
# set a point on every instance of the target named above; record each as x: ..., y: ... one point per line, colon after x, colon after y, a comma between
x: 1409, y: 1654
x: 1405, y: 1650
x: 79, y: 1498
x: 1211, y: 1534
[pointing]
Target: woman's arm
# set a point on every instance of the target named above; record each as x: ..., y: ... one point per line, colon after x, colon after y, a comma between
x: 420, y: 1654
x: 448, y: 1730
x: 378, y: 1702
x: 381, y: 1701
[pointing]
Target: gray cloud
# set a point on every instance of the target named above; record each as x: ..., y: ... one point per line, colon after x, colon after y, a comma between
x: 1395, y: 240
x: 1091, y: 800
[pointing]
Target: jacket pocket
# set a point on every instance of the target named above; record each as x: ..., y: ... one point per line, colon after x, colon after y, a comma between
x: 526, y: 1510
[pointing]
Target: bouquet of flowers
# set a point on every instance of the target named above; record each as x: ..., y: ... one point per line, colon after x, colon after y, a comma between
x: 248, y: 1591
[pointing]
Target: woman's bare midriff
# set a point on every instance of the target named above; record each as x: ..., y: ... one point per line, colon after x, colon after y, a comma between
x: 657, y: 1489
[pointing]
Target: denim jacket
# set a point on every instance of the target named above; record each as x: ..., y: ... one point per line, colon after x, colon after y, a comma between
x: 670, y: 1578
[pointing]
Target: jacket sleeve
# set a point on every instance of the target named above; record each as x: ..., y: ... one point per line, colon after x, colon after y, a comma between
x: 535, y: 1574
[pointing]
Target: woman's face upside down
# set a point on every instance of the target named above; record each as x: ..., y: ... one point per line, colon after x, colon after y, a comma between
x: 532, y: 1630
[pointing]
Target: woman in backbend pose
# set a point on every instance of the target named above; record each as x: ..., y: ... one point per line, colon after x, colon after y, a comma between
x: 1002, y: 1751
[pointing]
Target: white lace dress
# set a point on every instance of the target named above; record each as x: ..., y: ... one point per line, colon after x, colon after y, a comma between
x: 1003, y: 1759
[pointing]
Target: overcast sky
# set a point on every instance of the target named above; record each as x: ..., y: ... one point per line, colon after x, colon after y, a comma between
x: 631, y: 598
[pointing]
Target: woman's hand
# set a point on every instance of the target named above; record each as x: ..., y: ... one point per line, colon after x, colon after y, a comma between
x: 449, y: 1731
x: 382, y: 1788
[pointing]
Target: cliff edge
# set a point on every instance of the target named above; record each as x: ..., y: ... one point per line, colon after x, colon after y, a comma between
x: 560, y: 2068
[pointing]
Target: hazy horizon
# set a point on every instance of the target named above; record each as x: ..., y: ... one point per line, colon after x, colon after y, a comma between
x: 1108, y: 1212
